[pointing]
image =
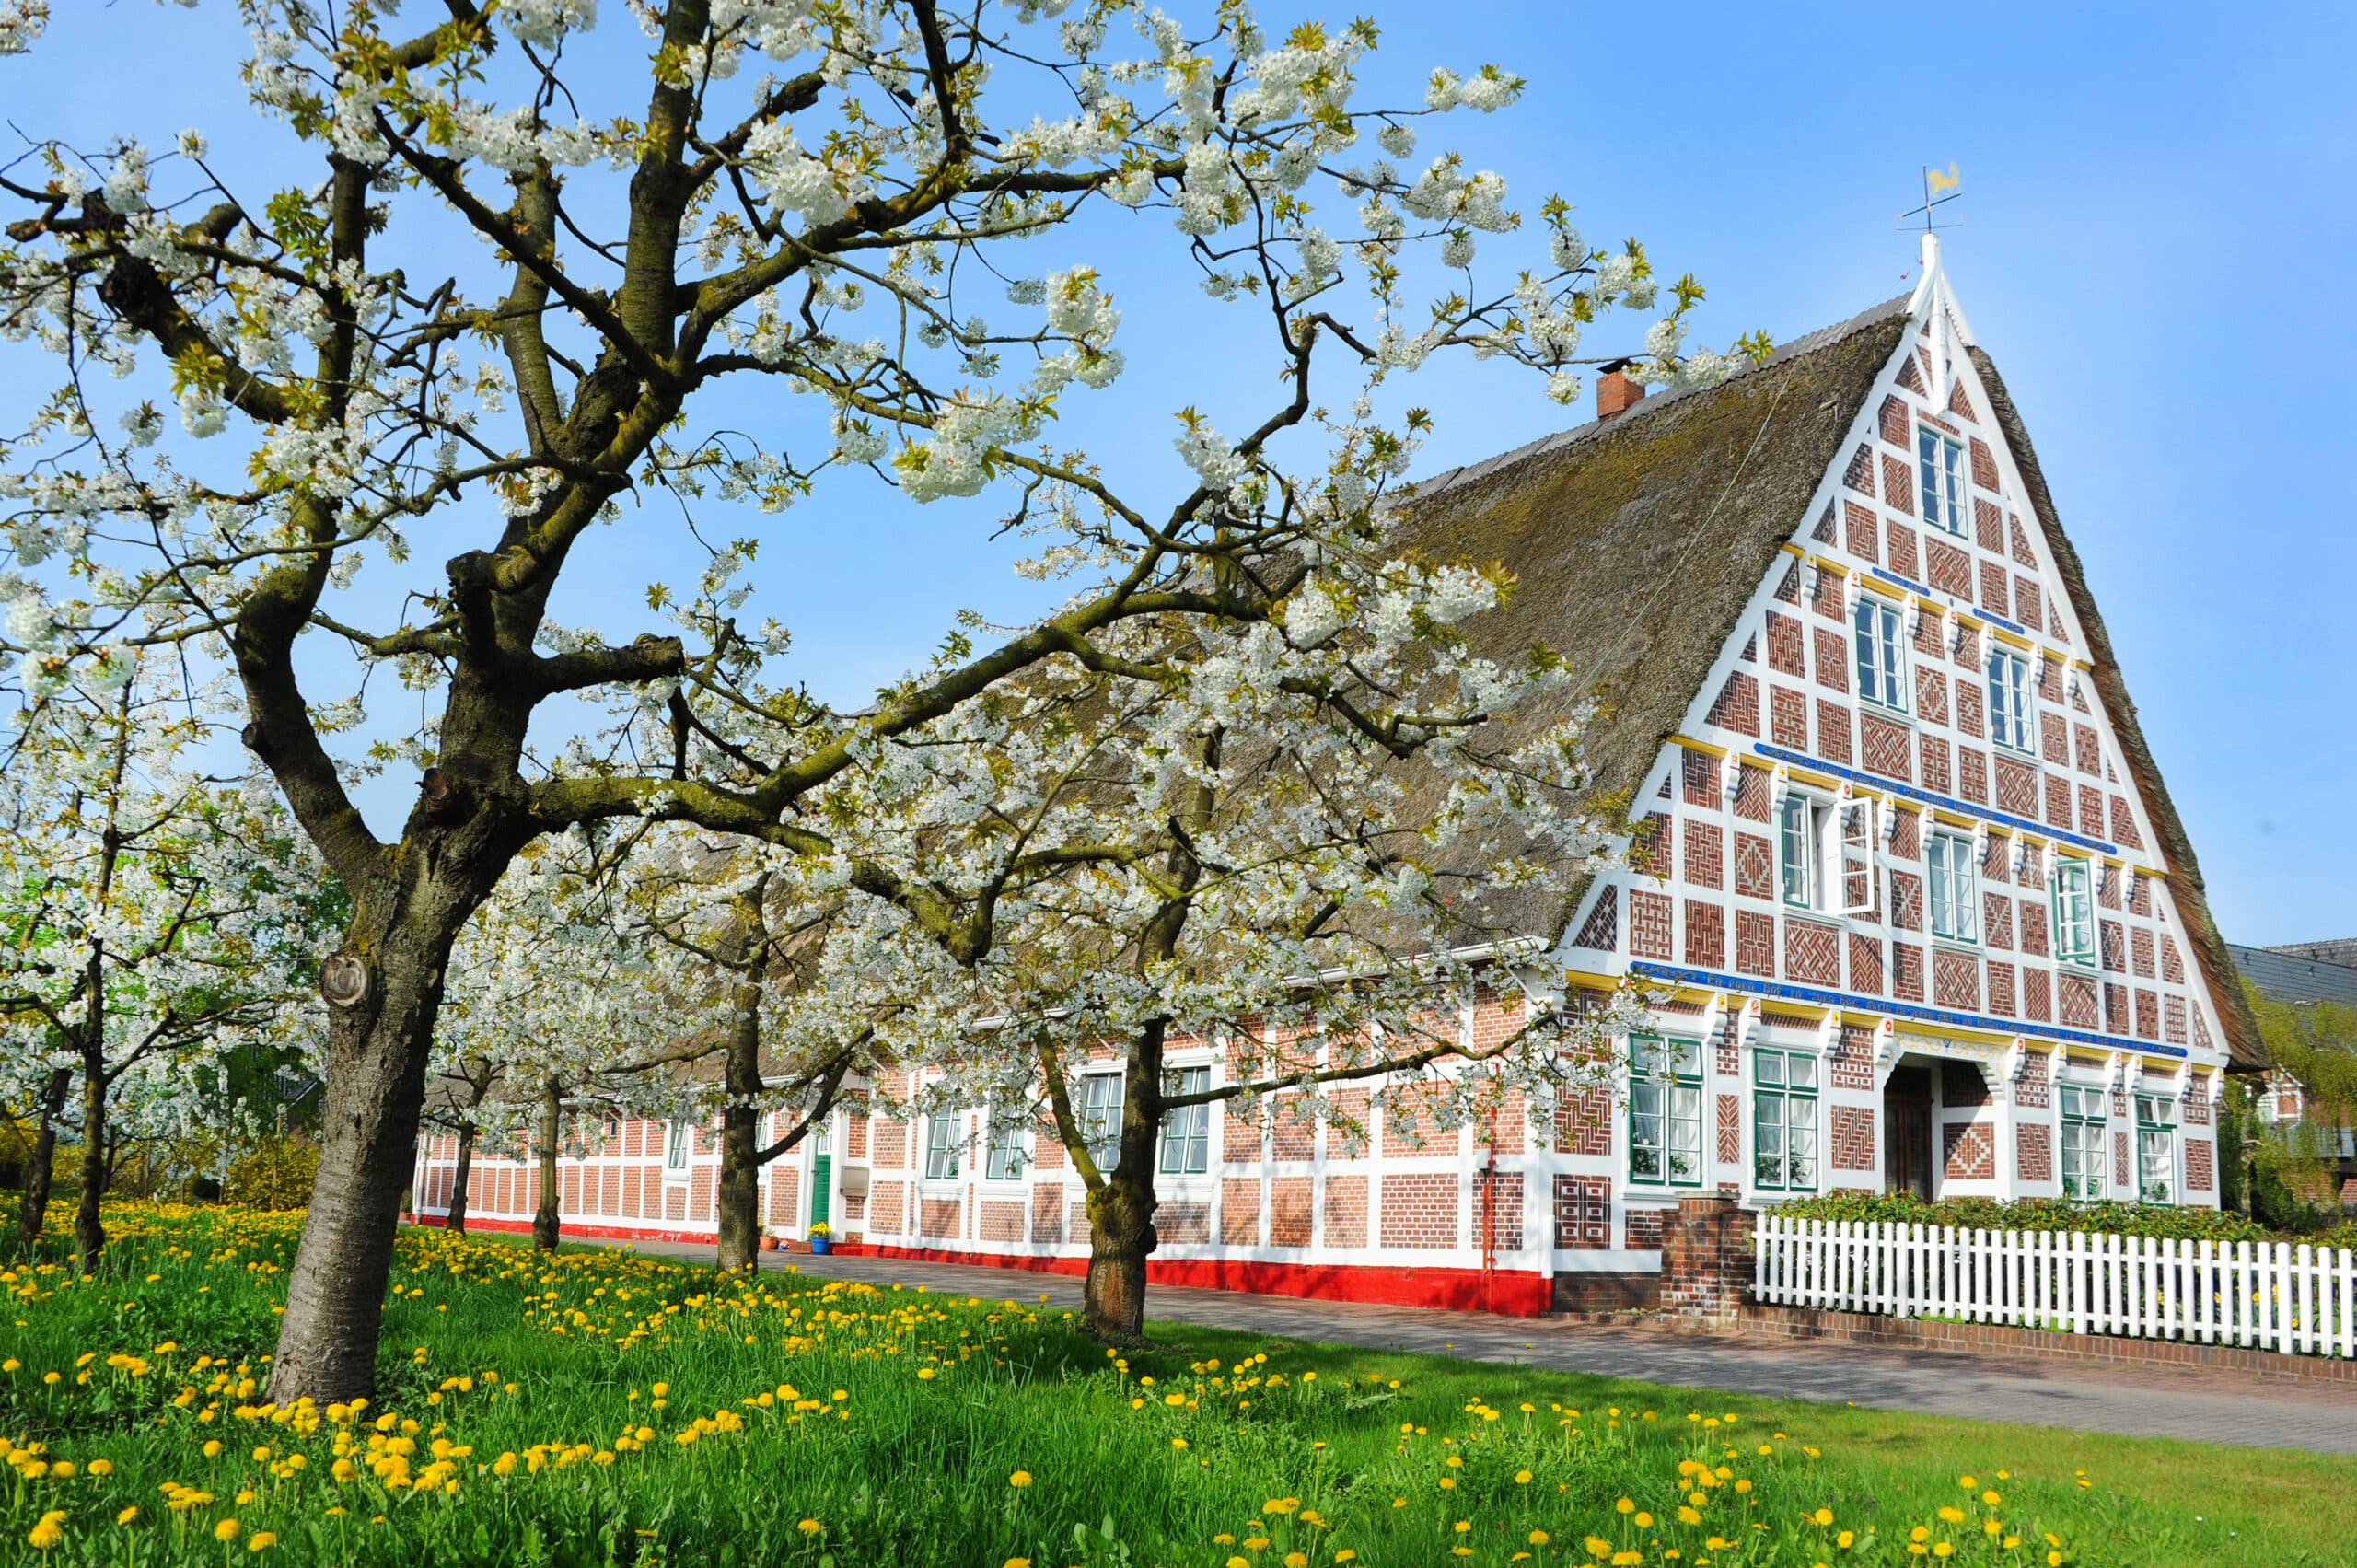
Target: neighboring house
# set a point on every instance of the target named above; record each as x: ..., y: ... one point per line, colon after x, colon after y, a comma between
x: 1917, y: 913
x: 2304, y: 974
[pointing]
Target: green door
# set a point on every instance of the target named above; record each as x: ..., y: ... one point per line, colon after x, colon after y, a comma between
x: 820, y: 1167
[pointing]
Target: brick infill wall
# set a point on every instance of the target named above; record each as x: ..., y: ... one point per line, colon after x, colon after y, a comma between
x: 1997, y: 1339
x: 1706, y: 1257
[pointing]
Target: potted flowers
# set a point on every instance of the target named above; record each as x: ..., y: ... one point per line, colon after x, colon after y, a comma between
x: 822, y: 1239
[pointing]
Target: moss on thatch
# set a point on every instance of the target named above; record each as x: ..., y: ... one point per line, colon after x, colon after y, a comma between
x: 1637, y: 542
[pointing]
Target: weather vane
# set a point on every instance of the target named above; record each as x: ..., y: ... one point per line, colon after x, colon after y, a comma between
x: 1939, y: 189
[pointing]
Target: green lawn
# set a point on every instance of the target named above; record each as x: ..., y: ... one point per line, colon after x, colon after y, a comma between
x: 602, y: 1407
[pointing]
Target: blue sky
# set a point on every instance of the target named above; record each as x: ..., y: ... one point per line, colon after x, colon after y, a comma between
x: 2157, y: 227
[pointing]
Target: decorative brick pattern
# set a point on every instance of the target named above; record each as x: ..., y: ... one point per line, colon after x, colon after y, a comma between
x: 1885, y: 747
x: 1728, y: 1125
x: 2075, y: 1001
x: 1644, y: 1228
x: 1859, y: 475
x: 1897, y: 489
x: 1787, y: 650
x: 2119, y: 1159
x: 1737, y: 707
x: 1852, y: 1066
x: 1601, y: 929
x: 2090, y: 811
x: 1995, y: 581
x: 2000, y: 989
x: 2200, y: 1175
x: 2172, y: 1019
x: 1584, y: 1213
x: 2017, y: 787
x: 1755, y: 944
x: 2029, y: 604
x: 1853, y: 1137
x: 1833, y: 732
x: 1420, y: 1212
x: 2033, y: 926
x: 1788, y: 718
x: 1895, y: 423
x: 2124, y: 824
x: 1700, y: 775
x: 1584, y: 1125
x: 1956, y: 980
x: 1905, y: 972
x: 2148, y: 1014
x: 1947, y: 569
x: 1826, y: 591
x: 1755, y: 867
x: 1832, y: 660
x: 1997, y: 919
x: 1706, y: 935
x: 1649, y: 925
x: 2033, y: 1151
x: 1972, y: 774
x: 1866, y: 965
x: 1969, y: 1150
x: 1858, y: 531
x: 1239, y: 1210
x: 1811, y: 953
x: 1902, y: 551
x: 1705, y: 852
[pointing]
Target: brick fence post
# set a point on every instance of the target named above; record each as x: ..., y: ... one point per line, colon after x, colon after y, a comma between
x: 1706, y: 1257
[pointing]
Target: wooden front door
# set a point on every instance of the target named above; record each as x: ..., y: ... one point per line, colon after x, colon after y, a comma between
x: 1906, y: 1132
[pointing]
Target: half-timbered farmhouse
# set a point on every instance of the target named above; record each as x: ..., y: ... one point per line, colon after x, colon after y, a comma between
x: 1911, y: 898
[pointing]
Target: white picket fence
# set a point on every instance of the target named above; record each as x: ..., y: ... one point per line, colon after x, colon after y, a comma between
x: 2296, y: 1298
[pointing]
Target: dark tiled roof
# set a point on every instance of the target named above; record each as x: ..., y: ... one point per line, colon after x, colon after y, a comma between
x: 2287, y: 975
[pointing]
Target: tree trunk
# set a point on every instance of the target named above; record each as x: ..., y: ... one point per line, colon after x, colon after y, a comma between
x: 33, y: 1211
x: 376, y: 1088
x: 89, y: 1230
x: 1120, y: 1237
x: 1120, y: 1208
x: 548, y: 1217
x: 456, y: 1218
x: 740, y: 1126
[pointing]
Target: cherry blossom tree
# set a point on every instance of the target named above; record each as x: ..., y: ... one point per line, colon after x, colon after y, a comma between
x: 823, y: 199
x: 151, y: 919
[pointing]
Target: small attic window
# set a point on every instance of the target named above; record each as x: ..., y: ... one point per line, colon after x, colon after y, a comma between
x: 1941, y: 460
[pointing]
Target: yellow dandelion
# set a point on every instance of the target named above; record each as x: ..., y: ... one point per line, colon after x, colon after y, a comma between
x: 226, y: 1530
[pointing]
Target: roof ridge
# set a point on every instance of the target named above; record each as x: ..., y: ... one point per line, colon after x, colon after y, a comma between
x: 1807, y: 343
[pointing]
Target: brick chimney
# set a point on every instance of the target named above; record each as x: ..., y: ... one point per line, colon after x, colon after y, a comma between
x: 1615, y: 393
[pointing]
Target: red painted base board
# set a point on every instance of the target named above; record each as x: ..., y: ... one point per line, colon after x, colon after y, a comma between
x: 1509, y: 1291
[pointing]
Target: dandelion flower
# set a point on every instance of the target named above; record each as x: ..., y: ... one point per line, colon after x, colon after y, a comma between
x: 226, y: 1530
x: 1019, y: 1479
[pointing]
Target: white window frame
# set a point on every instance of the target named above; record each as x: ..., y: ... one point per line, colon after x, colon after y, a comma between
x: 1793, y: 1166
x: 1879, y: 652
x: 1665, y: 1074
x: 1187, y: 1130
x: 2081, y: 1135
x: 2012, y: 717
x: 1799, y: 850
x: 679, y: 1143
x: 2072, y: 887
x: 1098, y: 1111
x: 2155, y: 1147
x: 943, y: 1145
x: 1946, y: 494
x: 1856, y: 832
x: 1952, y: 884
x: 1005, y: 1158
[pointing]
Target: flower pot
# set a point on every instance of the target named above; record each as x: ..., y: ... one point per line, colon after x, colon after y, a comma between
x: 823, y: 1245
x: 769, y: 1244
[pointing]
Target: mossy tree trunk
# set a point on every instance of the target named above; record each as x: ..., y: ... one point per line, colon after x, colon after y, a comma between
x: 41, y: 1172
x: 548, y: 1216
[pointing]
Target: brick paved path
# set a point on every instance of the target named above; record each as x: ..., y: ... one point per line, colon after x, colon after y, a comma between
x: 2204, y: 1405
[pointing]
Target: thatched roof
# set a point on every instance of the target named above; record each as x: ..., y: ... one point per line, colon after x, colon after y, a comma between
x: 1638, y: 542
